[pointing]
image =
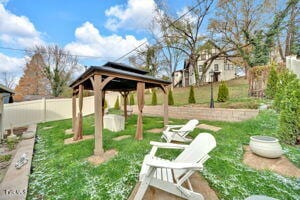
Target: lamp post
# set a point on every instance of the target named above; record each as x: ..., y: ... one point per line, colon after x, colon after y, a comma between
x: 211, y: 73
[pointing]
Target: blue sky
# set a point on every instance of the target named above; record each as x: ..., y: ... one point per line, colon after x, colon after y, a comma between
x: 101, y: 28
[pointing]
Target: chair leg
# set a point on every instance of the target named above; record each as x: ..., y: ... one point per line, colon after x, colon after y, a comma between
x: 144, y: 184
x: 142, y: 189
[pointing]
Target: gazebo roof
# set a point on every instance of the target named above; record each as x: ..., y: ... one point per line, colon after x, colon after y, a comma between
x: 125, y: 77
x: 4, y: 89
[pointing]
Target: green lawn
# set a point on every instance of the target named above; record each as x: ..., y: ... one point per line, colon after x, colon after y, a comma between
x: 238, y: 95
x: 62, y: 172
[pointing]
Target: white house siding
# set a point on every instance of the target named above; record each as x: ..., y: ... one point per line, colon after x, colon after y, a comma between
x: 226, y: 72
x: 293, y: 64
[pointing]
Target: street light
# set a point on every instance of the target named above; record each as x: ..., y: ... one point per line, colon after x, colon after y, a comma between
x: 211, y: 73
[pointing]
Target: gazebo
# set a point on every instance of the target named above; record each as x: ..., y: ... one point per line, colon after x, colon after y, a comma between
x: 113, y: 77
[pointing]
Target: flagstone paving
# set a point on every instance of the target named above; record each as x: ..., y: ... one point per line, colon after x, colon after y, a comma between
x: 209, y: 127
x: 155, y: 130
x: 69, y: 132
x: 97, y: 160
x: 199, y: 184
x: 47, y: 127
x: 122, y: 137
x: 84, y: 137
x: 280, y: 165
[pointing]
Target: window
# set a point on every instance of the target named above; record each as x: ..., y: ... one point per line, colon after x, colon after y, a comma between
x: 203, y: 56
x: 200, y: 68
x: 216, y: 67
x: 226, y: 66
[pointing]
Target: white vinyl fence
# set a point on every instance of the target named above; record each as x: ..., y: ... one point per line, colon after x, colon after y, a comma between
x: 293, y: 64
x: 29, y: 112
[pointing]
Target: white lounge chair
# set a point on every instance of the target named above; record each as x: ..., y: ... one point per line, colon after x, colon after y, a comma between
x: 170, y: 175
x: 179, y: 132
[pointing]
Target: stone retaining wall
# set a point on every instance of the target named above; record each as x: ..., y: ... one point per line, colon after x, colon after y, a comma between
x: 191, y: 112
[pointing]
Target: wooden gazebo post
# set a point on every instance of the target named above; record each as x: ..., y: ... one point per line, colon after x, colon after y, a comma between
x: 78, y: 129
x: 140, y: 99
x: 98, y: 150
x: 99, y: 98
x: 125, y: 97
x: 74, y: 110
x: 166, y: 105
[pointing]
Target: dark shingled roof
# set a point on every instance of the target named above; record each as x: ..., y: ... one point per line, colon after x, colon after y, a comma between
x: 126, y: 77
x: 4, y: 89
x: 125, y: 68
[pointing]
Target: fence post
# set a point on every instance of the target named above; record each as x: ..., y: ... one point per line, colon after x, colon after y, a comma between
x: 44, y: 110
x: 1, y: 117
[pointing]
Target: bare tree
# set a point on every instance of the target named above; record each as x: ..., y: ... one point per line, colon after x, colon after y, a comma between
x: 9, y: 79
x: 59, y: 67
x: 148, y: 59
x: 186, y: 31
x: 169, y: 56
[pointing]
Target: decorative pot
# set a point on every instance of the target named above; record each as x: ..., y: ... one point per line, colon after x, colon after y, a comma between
x: 265, y: 146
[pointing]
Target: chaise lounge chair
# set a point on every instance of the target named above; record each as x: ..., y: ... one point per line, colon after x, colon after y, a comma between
x: 170, y: 175
x: 172, y: 133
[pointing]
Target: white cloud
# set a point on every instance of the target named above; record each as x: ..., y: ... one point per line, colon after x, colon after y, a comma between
x: 187, y: 15
x: 137, y: 14
x: 90, y: 42
x: 11, y: 64
x: 17, y: 30
x: 4, y: 1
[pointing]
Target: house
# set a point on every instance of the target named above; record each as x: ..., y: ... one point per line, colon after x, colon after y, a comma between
x: 222, y: 68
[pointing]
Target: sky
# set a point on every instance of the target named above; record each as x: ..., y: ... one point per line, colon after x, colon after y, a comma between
x: 98, y: 28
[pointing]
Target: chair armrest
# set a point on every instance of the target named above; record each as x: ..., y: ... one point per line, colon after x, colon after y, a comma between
x: 164, y: 145
x: 173, y: 165
x: 174, y: 126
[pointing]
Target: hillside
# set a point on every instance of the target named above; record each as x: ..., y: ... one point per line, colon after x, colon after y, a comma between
x: 238, y: 95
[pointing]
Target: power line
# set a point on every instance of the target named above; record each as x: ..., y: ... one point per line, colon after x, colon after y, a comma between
x: 172, y: 23
x: 32, y: 51
x: 126, y: 54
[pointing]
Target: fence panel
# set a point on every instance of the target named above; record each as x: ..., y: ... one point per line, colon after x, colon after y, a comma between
x: 29, y: 112
x: 23, y: 113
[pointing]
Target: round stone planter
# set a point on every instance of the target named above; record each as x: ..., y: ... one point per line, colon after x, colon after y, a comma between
x: 265, y: 146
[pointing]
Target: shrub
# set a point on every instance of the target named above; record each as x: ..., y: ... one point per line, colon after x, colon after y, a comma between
x: 283, y: 79
x: 223, y: 93
x: 289, y: 117
x: 170, y: 98
x: 154, y: 97
x: 117, y: 104
x: 131, y: 100
x: 272, y: 84
x: 192, y: 95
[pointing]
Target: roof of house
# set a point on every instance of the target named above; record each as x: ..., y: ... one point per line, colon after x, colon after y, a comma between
x: 4, y: 89
x: 125, y: 77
